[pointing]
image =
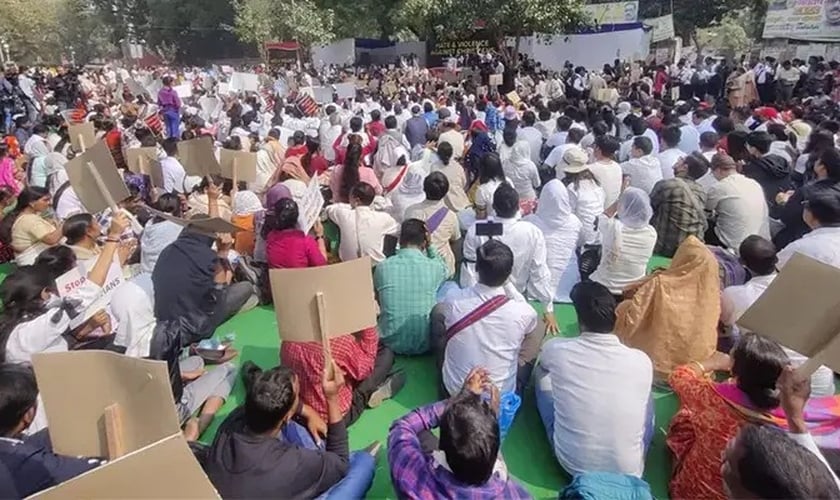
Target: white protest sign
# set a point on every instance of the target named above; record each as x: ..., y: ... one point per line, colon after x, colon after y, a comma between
x: 184, y: 91
x: 70, y: 282
x: 323, y: 95
x: 249, y: 82
x: 311, y: 205
x: 103, y: 298
x: 345, y: 90
x: 223, y: 89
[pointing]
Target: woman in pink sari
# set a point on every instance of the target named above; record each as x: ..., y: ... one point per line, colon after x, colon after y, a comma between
x: 8, y: 169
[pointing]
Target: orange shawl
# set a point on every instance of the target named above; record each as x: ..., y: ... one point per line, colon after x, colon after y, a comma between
x: 673, y: 314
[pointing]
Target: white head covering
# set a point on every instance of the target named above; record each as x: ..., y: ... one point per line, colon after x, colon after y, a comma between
x: 520, y: 154
x: 246, y: 203
x: 554, y: 208
x: 54, y: 165
x: 634, y: 212
x: 412, y: 182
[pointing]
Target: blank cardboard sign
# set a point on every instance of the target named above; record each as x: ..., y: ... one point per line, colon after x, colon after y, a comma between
x: 801, y: 311
x: 245, y: 164
x: 82, y: 135
x: 145, y: 161
x: 83, y: 178
x: 348, y: 296
x: 209, y: 226
x: 78, y: 386
x: 198, y: 157
x: 165, y: 469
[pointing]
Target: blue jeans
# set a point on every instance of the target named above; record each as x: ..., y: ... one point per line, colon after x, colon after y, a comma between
x: 359, y: 476
x: 172, y: 119
x: 545, y: 406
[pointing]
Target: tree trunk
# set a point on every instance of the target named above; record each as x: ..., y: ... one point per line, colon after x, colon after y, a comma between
x: 699, y: 57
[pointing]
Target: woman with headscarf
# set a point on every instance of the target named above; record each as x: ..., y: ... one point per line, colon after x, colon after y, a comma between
x: 673, y: 314
x: 246, y: 210
x: 627, y: 241
x: 480, y: 144
x: 524, y: 174
x: 561, y: 229
x: 272, y: 196
x: 408, y: 192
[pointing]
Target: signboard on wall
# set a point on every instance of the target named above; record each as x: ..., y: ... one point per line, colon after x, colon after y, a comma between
x: 440, y: 51
x: 613, y: 12
x: 816, y: 20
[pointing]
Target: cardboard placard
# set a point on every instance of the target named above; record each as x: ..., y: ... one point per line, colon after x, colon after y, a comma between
x: 145, y: 161
x: 82, y: 136
x: 495, y: 80
x: 208, y: 226
x: 164, y: 469
x: 78, y: 386
x: 323, y: 95
x: 96, y: 180
x: 248, y: 82
x: 311, y: 205
x: 198, y: 157
x: 349, y: 304
x: 243, y: 163
x: 345, y: 90
x: 223, y: 89
x: 184, y: 91
x: 801, y: 310
x: 513, y: 97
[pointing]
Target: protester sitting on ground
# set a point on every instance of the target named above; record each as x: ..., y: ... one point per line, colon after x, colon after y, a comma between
x: 821, y: 213
x: 771, y: 171
x: 709, y: 142
x: 491, y: 176
x: 605, y: 169
x: 172, y: 171
x: 573, y: 138
x: 246, y: 209
x: 627, y: 240
x: 610, y: 428
x: 82, y: 233
x: 287, y: 247
x: 35, y: 319
x: 441, y: 221
x: 192, y: 283
x: 465, y: 462
x: 26, y: 229
x: 737, y: 204
x: 362, y: 229
x: 407, y: 191
x: 643, y: 167
x: 679, y: 205
x: 789, y: 205
x: 406, y: 289
x: 586, y: 196
x: 159, y: 233
x: 761, y: 462
x: 261, y: 449
x: 344, y: 177
x: 456, y: 198
x: 653, y: 318
x: 199, y: 201
x: 759, y: 257
x: 488, y: 325
x: 561, y: 230
x: 671, y: 154
x: 530, y: 275
x: 32, y: 464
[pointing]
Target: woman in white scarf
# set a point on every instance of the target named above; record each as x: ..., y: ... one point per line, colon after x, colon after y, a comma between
x: 561, y: 229
x: 409, y: 193
x: 628, y: 241
x: 524, y: 174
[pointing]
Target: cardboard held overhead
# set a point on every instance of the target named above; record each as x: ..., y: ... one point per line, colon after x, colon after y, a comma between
x: 243, y: 163
x: 249, y: 82
x: 495, y: 80
x: 199, y: 157
x: 82, y: 136
x: 209, y: 226
x: 165, y: 469
x: 78, y: 386
x: 145, y: 161
x: 96, y: 180
x: 347, y: 291
x: 184, y: 91
x: 801, y: 311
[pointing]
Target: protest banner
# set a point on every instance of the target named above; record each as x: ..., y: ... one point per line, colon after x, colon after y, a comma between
x: 311, y: 205
x: 82, y: 136
x: 96, y: 180
x: 612, y: 12
x: 815, y: 20
x: 247, y: 82
x: 240, y: 165
x: 145, y: 161
x: 198, y: 157
x: 347, y: 300
x: 801, y: 311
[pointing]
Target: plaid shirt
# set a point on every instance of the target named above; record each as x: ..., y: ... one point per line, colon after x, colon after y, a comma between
x: 417, y: 475
x: 678, y: 212
x: 407, y: 285
x: 354, y: 354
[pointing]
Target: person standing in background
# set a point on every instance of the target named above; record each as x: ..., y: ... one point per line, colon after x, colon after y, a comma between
x: 170, y: 108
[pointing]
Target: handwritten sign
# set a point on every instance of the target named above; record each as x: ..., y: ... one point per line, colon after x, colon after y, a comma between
x: 311, y: 205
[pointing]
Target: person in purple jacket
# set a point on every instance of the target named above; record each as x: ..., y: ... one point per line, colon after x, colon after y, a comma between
x: 170, y: 108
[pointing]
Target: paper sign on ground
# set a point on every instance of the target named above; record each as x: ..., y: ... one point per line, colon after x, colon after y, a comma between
x: 78, y: 386
x: 84, y: 182
x: 82, y: 135
x: 249, y: 82
x: 310, y: 205
x: 801, y: 310
x: 348, y: 296
x: 322, y: 95
x: 184, y: 91
x: 495, y: 80
x: 345, y: 90
x: 244, y: 162
x: 164, y: 469
x: 145, y: 161
x: 199, y: 157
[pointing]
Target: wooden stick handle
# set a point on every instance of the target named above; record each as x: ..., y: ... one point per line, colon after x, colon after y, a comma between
x: 82, y: 142
x: 114, y: 431
x: 322, y: 326
x: 102, y: 188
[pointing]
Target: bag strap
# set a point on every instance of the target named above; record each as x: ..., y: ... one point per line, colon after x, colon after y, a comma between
x: 396, y: 182
x: 435, y: 220
x: 58, y: 192
x: 482, y: 311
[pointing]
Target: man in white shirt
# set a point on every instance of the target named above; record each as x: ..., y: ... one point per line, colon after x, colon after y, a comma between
x: 559, y: 137
x: 530, y: 274
x: 640, y: 129
x: 573, y: 138
x: 671, y: 154
x: 605, y: 169
x: 738, y: 206
x: 822, y: 214
x: 530, y: 134
x: 643, y: 168
x: 487, y: 325
x: 593, y: 392
x: 702, y: 120
x: 172, y: 171
x: 451, y: 135
x: 362, y: 229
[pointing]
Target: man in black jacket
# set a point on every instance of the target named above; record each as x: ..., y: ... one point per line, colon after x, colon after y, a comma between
x: 770, y: 170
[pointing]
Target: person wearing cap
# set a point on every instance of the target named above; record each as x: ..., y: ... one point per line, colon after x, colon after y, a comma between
x: 643, y: 168
x: 737, y: 204
x: 586, y: 195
